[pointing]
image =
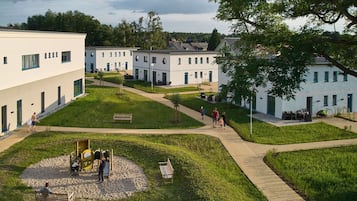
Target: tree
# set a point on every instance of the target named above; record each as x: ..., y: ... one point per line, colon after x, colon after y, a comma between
x: 271, y: 53
x: 176, y: 100
x: 100, y: 75
x: 120, y: 80
x: 214, y: 40
x: 154, y: 35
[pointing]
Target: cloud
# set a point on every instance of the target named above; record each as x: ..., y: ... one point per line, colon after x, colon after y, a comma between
x: 163, y: 7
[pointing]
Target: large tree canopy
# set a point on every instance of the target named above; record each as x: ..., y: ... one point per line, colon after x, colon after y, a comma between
x: 270, y: 52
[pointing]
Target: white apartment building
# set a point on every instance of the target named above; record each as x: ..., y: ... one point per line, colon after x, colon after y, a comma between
x: 109, y: 59
x: 42, y: 71
x: 326, y: 88
x: 175, y: 67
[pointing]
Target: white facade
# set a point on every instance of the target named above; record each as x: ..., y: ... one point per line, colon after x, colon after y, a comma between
x: 109, y: 59
x: 42, y: 71
x: 326, y: 88
x: 173, y: 67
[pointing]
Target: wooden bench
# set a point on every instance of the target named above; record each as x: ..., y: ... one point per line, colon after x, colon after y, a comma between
x: 54, y: 196
x: 167, y: 171
x: 123, y: 117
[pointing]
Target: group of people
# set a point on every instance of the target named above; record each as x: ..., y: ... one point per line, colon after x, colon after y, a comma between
x: 218, y: 120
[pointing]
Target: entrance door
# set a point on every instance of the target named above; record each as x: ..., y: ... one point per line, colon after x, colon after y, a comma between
x: 186, y: 77
x: 145, y: 75
x: 164, y: 78
x: 3, y: 118
x: 136, y: 74
x: 349, y: 103
x: 210, y: 76
x: 42, y: 102
x: 19, y: 113
x: 271, y: 105
x: 154, y: 77
x: 308, y: 117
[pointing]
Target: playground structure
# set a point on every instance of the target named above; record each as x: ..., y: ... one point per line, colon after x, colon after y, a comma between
x: 83, y: 158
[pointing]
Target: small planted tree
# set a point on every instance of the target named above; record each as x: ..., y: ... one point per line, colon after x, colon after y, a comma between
x: 100, y: 75
x: 176, y: 100
x: 120, y: 81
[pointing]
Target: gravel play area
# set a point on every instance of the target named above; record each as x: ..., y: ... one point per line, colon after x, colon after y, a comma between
x: 125, y: 179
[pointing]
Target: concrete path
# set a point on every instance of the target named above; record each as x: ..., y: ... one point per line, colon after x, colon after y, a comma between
x: 249, y: 156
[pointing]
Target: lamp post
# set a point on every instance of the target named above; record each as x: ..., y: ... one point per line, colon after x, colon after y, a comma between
x: 152, y: 76
x: 251, y: 117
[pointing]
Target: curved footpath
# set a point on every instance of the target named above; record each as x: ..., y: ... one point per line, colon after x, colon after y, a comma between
x: 249, y: 156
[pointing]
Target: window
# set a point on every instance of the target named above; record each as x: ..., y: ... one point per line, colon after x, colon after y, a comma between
x: 326, y: 76
x: 207, y: 60
x: 102, y: 54
x: 111, y: 54
x: 201, y: 60
x: 334, y: 99
x: 316, y: 77
x: 201, y: 74
x: 49, y: 55
x: 116, y: 54
x: 325, y: 100
x: 45, y: 55
x: 335, y: 73
x: 195, y: 74
x: 30, y: 61
x: 164, y: 61
x: 179, y: 61
x: 66, y: 56
x: 189, y: 60
x: 53, y: 55
x: 123, y: 54
x: 345, y: 77
x: 119, y: 54
x: 77, y: 86
x: 91, y: 54
x: 56, y: 54
x: 136, y: 58
x: 196, y: 60
x: 153, y: 60
x: 145, y: 59
x: 4, y: 60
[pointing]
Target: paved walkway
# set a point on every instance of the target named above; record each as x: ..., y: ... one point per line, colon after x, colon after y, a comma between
x: 249, y: 156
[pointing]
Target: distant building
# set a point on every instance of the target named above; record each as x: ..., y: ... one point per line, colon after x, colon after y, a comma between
x: 178, y: 45
x: 42, y: 71
x: 109, y: 59
x: 326, y: 88
x: 173, y: 67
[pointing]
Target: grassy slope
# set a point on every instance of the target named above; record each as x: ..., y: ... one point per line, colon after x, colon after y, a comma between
x: 203, y: 168
x: 324, y: 174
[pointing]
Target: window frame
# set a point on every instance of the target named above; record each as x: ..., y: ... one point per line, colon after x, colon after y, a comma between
x: 33, y: 61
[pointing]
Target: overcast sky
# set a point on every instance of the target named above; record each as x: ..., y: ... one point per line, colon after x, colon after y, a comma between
x: 175, y: 15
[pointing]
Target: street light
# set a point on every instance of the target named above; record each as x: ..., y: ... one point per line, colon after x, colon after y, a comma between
x: 152, y: 76
x: 251, y: 117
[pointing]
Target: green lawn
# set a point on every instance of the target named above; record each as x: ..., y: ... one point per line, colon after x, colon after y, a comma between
x: 266, y: 133
x: 321, y: 175
x: 97, y: 108
x: 204, y: 170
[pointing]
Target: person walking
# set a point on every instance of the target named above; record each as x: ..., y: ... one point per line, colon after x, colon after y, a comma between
x: 34, y: 120
x: 223, y: 115
x: 203, y: 112
x: 215, y: 116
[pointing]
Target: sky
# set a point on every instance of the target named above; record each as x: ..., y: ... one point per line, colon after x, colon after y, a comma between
x: 196, y: 16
